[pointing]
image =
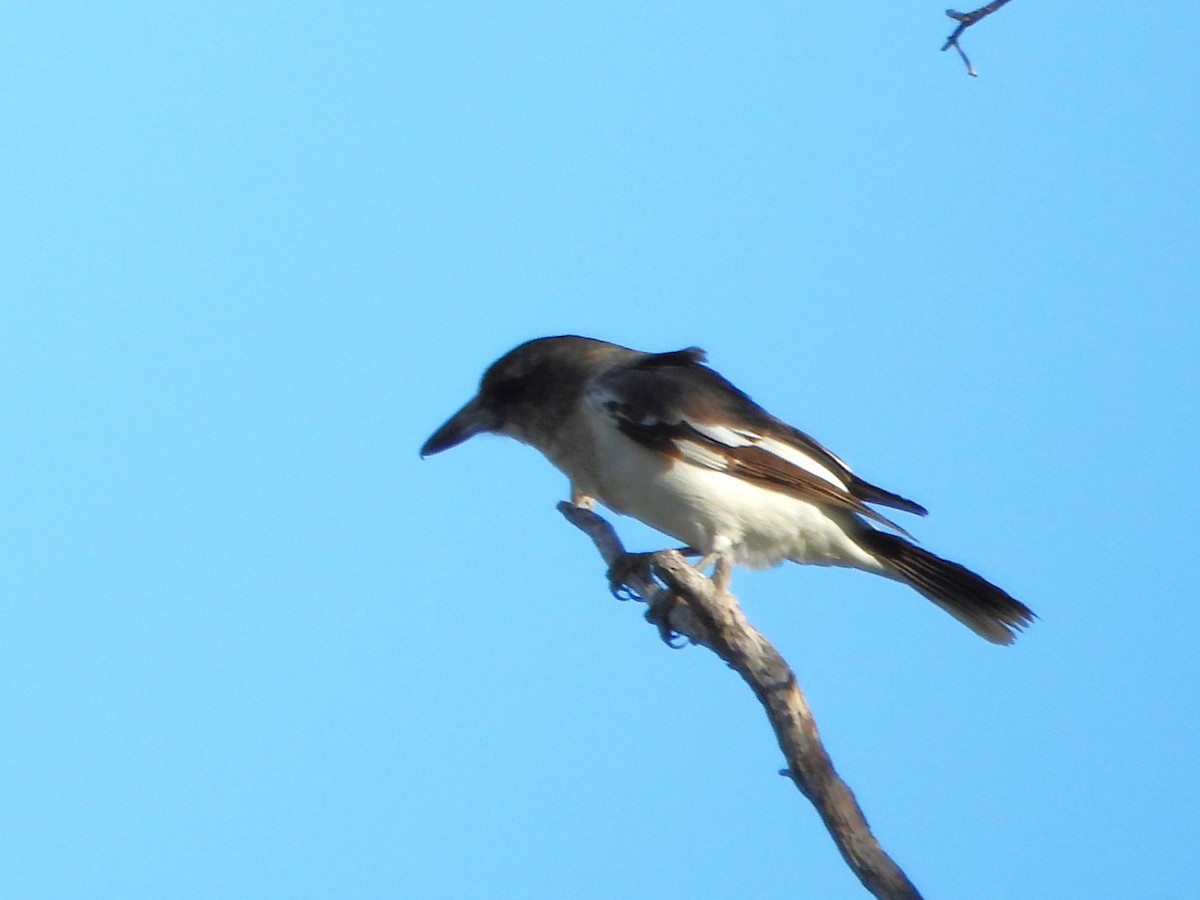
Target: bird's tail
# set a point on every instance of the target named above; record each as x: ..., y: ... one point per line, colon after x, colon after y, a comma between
x: 978, y: 604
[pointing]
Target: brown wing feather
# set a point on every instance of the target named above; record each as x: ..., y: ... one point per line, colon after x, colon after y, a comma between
x: 749, y: 463
x: 765, y: 468
x: 654, y: 399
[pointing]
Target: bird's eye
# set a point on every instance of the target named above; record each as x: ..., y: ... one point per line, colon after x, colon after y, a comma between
x: 507, y: 381
x: 503, y: 390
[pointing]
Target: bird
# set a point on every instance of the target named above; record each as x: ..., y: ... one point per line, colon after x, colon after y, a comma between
x: 664, y: 438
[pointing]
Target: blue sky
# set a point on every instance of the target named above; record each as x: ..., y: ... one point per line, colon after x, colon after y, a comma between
x: 252, y: 254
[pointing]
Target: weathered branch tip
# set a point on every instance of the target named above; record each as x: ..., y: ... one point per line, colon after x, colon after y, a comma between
x: 684, y: 601
x: 965, y: 21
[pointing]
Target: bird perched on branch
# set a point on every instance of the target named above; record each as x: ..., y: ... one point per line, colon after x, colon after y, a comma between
x: 665, y: 439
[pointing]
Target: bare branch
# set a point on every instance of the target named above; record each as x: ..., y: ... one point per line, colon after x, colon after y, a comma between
x: 965, y: 21
x: 698, y: 608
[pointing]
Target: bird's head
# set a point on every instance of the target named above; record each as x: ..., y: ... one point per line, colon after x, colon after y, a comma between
x: 526, y: 392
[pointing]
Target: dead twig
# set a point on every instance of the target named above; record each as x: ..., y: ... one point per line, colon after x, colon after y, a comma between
x: 684, y: 601
x: 965, y: 21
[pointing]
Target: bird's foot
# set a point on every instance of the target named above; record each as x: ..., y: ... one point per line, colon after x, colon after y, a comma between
x: 631, y: 577
x: 627, y: 568
x: 659, y: 614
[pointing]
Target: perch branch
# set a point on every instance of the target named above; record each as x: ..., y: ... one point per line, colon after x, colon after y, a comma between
x: 684, y: 601
x: 965, y: 21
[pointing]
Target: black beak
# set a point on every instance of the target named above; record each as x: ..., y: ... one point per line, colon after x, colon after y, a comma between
x: 472, y: 419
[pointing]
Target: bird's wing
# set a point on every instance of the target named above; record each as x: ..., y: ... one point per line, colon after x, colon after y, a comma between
x: 672, y: 404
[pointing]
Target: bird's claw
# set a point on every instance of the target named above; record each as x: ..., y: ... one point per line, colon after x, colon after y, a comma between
x: 626, y: 568
x: 659, y: 614
x: 639, y: 569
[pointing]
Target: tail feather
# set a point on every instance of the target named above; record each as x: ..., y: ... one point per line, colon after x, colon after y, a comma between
x: 978, y: 604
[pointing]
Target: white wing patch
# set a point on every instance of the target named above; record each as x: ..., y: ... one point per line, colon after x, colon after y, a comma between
x: 610, y: 405
x: 703, y: 456
x: 732, y: 437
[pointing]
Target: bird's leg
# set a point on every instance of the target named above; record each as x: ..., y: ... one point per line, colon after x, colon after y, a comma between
x: 722, y: 575
x: 721, y: 559
x: 664, y: 602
